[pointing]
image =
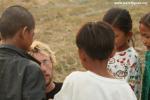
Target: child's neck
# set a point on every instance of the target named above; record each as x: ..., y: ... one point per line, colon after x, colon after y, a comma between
x: 14, y: 42
x: 122, y: 48
x: 100, y: 68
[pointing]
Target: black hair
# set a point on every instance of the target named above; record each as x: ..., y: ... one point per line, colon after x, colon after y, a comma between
x: 96, y: 39
x: 13, y: 19
x: 145, y: 20
x: 119, y: 18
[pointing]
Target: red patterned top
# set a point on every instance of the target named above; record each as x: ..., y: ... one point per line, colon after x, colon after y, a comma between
x: 125, y: 65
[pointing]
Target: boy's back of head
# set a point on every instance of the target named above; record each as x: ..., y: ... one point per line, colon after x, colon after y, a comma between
x: 13, y: 19
x: 96, y: 39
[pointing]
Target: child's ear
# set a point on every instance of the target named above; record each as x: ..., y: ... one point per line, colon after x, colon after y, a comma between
x: 130, y: 34
x: 140, y: 27
x: 82, y: 54
x: 23, y: 32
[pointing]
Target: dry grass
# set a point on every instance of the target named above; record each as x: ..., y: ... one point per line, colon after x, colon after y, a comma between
x: 59, y: 20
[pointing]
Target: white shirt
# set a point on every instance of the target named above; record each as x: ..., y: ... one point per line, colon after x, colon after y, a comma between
x: 90, y: 86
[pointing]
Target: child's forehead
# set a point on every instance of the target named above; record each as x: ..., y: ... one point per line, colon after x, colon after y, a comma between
x: 117, y: 31
x: 144, y: 29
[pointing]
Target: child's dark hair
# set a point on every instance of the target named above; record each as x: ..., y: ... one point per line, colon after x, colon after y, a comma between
x: 119, y: 18
x: 145, y: 20
x: 13, y: 19
x: 96, y: 39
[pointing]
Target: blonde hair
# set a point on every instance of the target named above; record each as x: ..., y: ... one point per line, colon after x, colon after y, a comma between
x: 38, y: 46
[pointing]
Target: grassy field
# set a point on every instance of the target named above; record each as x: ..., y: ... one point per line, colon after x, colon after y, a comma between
x: 57, y: 22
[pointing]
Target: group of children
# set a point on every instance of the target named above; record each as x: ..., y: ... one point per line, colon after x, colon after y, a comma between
x: 105, y: 52
x: 113, y: 66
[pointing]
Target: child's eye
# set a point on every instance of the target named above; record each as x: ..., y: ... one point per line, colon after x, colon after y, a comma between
x: 147, y: 37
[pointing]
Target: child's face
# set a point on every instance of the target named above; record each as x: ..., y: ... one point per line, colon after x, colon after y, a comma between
x: 145, y: 35
x: 121, y: 40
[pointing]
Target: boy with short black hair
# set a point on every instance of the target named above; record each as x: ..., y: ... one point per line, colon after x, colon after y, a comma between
x: 95, y: 42
x: 20, y: 77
